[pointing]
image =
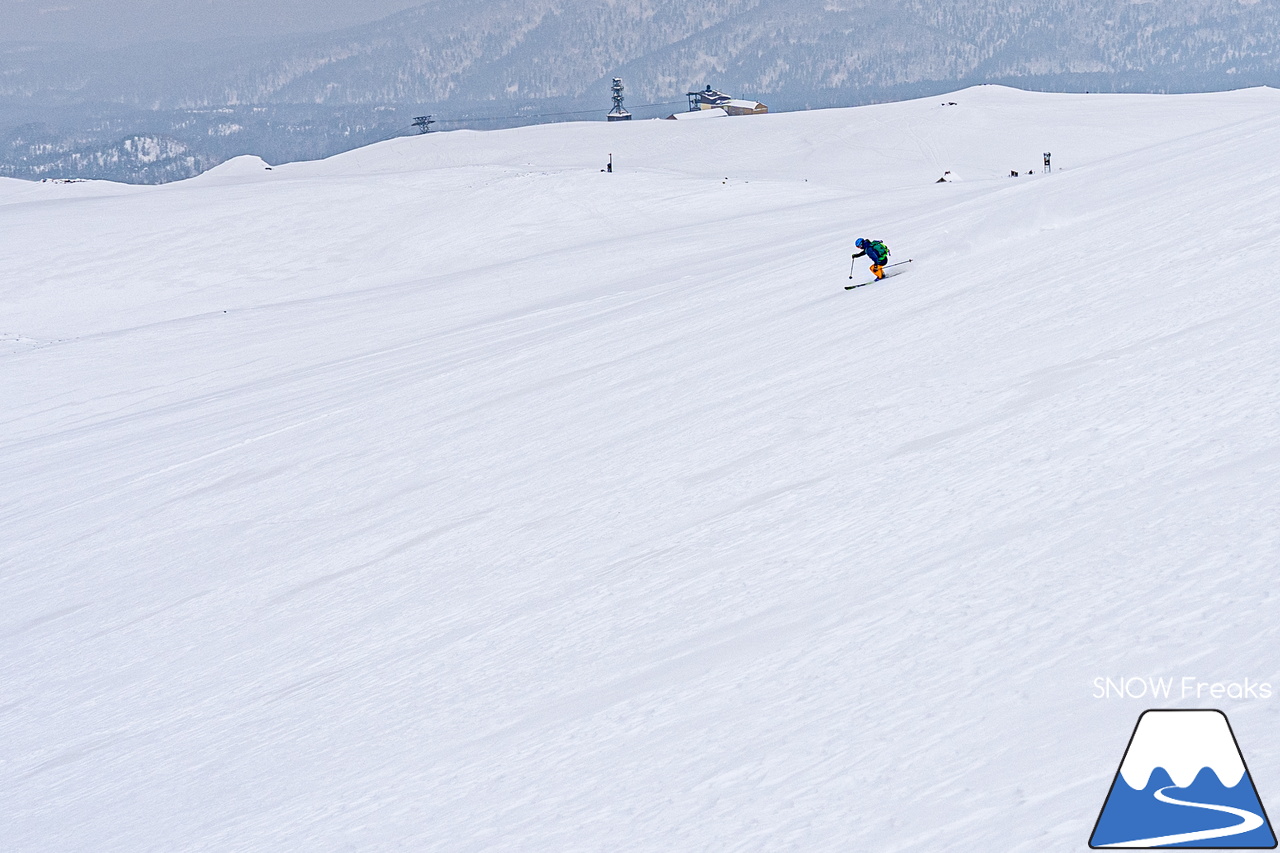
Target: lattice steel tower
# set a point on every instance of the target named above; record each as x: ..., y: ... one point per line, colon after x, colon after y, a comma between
x: 619, y: 112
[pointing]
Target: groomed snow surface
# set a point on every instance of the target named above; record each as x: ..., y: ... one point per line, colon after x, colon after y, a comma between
x: 455, y: 495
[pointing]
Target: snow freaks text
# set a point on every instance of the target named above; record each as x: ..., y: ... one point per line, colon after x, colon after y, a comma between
x: 1186, y: 687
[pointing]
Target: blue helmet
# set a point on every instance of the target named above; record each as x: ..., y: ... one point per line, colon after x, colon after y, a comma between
x: 860, y: 243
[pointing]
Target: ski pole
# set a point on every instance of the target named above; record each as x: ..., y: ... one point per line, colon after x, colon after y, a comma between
x: 851, y: 263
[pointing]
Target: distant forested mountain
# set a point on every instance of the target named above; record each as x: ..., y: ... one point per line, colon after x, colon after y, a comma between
x: 459, y: 58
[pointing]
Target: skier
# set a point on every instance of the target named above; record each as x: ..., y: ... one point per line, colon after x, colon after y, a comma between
x: 876, y: 251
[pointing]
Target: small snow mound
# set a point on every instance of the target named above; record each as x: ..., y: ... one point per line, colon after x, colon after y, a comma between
x: 19, y: 190
x: 10, y: 187
x: 238, y: 168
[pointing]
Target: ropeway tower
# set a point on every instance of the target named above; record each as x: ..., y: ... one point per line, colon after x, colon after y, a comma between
x: 619, y: 112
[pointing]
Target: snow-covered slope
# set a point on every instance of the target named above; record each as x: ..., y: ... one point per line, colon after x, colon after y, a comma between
x: 452, y: 494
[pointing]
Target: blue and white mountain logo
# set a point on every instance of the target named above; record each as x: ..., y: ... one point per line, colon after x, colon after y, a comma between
x: 1183, y: 783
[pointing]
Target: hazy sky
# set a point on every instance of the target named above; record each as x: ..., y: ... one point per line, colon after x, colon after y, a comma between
x: 116, y: 22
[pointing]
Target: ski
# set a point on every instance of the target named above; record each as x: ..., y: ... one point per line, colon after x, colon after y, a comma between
x: 886, y: 275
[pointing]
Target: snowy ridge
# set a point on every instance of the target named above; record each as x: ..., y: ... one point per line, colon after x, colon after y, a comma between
x: 455, y: 495
x: 299, y: 98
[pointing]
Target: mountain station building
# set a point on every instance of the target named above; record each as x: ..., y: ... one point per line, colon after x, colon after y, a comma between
x: 710, y: 99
